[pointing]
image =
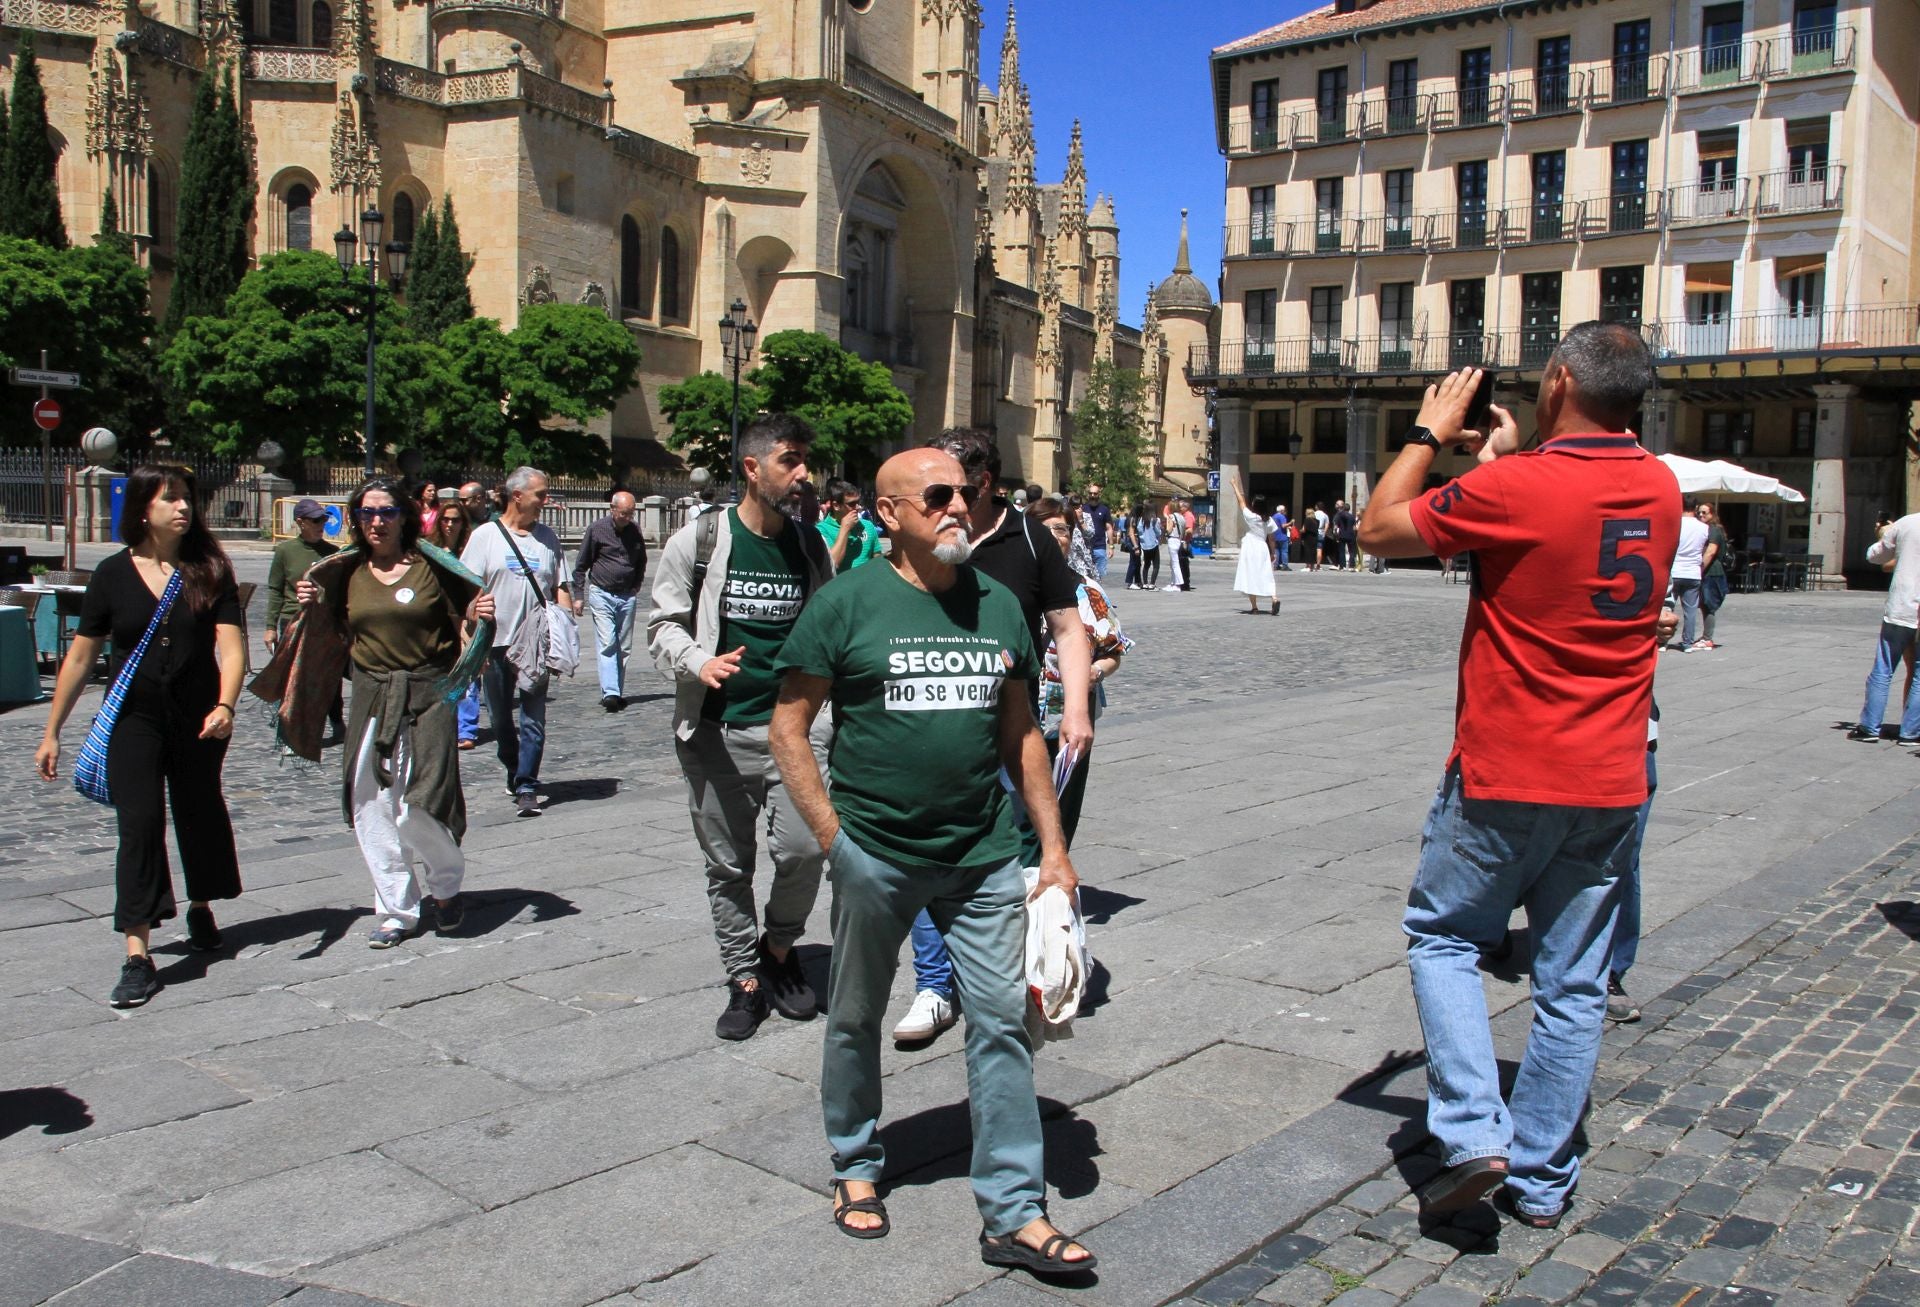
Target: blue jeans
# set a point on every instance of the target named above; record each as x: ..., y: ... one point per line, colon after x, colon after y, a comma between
x: 982, y: 912
x: 612, y: 624
x: 467, y: 711
x: 932, y: 964
x: 1479, y: 859
x: 1626, y: 925
x: 1281, y: 544
x: 520, y: 750
x: 1687, y: 595
x: 1894, y: 640
x: 1099, y: 564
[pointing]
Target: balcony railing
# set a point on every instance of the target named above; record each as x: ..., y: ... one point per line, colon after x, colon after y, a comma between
x: 1326, y: 126
x: 1619, y: 214
x: 1468, y: 106
x: 1388, y: 233
x: 1475, y: 228
x: 1818, y: 188
x: 1727, y: 200
x: 1541, y: 97
x: 1550, y: 218
x: 1887, y: 327
x: 1254, y: 136
x: 1625, y: 81
x: 1395, y: 115
x: 1809, y: 53
x: 1713, y: 67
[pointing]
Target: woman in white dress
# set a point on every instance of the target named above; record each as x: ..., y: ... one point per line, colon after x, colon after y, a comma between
x: 1253, y: 577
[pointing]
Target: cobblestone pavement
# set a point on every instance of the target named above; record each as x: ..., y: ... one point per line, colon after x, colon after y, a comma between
x: 534, y: 1110
x: 1754, y: 1139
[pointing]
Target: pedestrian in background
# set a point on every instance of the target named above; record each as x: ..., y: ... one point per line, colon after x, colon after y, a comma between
x: 607, y: 573
x: 851, y: 539
x: 1253, y: 574
x: 451, y: 531
x: 524, y: 566
x: 396, y: 605
x: 1686, y: 578
x: 1713, y: 574
x: 1173, y: 536
x: 169, y: 741
x: 479, y: 503
x: 1899, y: 548
x: 1281, y: 538
x: 291, y: 559
x: 1098, y: 517
x: 429, y: 502
x: 1572, y: 542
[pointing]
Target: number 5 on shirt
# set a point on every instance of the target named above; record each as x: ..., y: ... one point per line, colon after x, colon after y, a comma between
x: 1614, y: 564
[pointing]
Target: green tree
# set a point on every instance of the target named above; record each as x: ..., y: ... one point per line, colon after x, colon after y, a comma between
x: 87, y: 307
x: 437, y: 293
x: 1111, y: 447
x: 29, y: 200
x: 216, y: 205
x: 512, y: 398
x: 288, y: 358
x: 5, y: 131
x: 700, y: 411
x: 851, y: 404
x: 110, y: 234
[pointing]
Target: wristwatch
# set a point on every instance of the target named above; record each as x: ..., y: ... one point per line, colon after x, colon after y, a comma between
x: 1424, y: 436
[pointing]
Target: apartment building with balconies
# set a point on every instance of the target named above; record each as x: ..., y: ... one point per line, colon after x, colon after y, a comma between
x: 1416, y: 185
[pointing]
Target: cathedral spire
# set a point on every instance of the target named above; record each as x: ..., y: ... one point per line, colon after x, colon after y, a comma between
x: 1073, y: 197
x: 1183, y: 262
x: 1010, y: 55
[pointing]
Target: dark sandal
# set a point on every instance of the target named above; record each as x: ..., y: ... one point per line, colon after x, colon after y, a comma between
x: 844, y: 1203
x: 1006, y: 1250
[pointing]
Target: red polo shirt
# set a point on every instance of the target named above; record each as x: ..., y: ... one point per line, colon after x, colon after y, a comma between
x: 1572, y: 544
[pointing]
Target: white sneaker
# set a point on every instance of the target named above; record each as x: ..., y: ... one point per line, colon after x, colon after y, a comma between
x: 930, y: 1014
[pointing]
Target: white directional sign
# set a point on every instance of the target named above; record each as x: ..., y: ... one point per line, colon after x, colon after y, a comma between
x: 41, y: 377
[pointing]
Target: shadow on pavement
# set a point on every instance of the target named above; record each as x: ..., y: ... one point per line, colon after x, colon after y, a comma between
x: 582, y: 791
x: 329, y: 924
x: 1098, y: 906
x: 55, y: 1110
x: 490, y: 909
x: 937, y: 1144
x: 1903, y: 917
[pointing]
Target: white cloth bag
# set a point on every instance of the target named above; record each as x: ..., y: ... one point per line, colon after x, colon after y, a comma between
x: 1058, y: 963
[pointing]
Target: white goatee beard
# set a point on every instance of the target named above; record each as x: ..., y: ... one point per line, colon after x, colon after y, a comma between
x: 954, y: 552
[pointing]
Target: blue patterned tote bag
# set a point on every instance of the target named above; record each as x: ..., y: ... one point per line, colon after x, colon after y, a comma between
x: 90, y: 768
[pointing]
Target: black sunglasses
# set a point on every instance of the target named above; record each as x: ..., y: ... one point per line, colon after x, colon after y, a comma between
x: 938, y: 495
x: 381, y: 513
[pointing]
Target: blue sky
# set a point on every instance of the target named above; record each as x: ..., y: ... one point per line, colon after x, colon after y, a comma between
x: 1135, y: 73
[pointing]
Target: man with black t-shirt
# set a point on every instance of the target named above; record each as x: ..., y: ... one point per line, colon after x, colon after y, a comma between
x: 1020, y: 555
x: 730, y: 585
x: 1100, y: 517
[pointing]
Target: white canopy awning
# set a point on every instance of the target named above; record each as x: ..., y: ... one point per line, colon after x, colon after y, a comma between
x: 1722, y: 480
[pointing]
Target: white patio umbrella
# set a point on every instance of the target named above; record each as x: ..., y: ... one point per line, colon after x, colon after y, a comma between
x: 1724, y: 481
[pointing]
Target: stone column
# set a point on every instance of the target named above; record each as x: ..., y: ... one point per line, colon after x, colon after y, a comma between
x: 1827, y: 496
x: 268, y: 487
x: 1233, y: 417
x: 1662, y: 419
x: 1363, y: 435
x: 93, y: 504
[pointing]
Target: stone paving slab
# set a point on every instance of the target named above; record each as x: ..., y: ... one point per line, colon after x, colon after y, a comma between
x: 1248, y: 1058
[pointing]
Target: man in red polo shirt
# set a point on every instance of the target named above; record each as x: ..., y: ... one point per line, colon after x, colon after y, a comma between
x: 1571, y: 543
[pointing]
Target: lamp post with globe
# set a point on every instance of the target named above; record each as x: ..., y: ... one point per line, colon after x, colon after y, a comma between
x: 737, y: 334
x: 345, y: 245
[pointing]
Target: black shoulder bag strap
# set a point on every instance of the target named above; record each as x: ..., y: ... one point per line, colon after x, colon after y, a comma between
x: 539, y: 595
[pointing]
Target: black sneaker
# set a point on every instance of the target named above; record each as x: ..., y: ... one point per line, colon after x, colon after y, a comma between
x: 612, y: 702
x: 448, y: 915
x: 202, y: 934
x: 746, y: 1009
x: 1862, y: 733
x: 786, y: 985
x: 138, y: 983
x: 1620, y: 1008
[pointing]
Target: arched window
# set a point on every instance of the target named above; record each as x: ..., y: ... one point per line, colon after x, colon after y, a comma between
x: 322, y: 24
x: 857, y: 273
x: 670, y: 275
x: 155, y: 208
x: 403, y: 217
x: 283, y: 22
x: 299, y: 217
x: 632, y: 264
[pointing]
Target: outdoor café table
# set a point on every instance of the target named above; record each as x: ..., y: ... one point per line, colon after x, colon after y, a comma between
x: 19, y: 668
x: 46, y: 620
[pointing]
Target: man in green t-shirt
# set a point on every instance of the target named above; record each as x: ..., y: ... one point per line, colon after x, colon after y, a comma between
x: 291, y: 559
x: 735, y: 580
x: 929, y: 664
x: 851, y: 538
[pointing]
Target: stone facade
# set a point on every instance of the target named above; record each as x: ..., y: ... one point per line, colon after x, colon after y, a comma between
x: 832, y: 163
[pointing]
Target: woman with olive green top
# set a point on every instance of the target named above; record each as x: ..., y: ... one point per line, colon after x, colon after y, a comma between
x: 400, y: 603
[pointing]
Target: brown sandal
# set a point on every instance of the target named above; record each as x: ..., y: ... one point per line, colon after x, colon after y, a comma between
x: 843, y: 1202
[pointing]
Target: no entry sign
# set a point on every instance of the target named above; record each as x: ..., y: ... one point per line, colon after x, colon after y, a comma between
x: 46, y: 413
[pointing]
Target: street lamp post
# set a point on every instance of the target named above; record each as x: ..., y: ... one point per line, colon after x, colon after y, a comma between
x: 737, y: 334
x: 345, y: 246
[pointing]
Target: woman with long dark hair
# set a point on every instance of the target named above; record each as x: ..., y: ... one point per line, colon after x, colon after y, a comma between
x: 395, y: 606
x: 170, y: 738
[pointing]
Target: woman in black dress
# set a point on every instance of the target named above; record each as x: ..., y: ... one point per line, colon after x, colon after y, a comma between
x: 170, y: 740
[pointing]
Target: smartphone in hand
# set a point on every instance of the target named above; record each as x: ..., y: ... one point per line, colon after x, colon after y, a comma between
x: 1481, y: 409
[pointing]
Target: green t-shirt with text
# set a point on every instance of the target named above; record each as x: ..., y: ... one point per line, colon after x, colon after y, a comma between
x: 765, y: 586
x: 917, y: 679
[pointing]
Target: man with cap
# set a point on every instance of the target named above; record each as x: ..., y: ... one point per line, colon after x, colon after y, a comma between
x: 291, y: 559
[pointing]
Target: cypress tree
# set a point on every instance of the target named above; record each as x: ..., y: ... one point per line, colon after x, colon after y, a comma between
x: 4, y: 225
x: 28, y: 198
x: 421, y: 261
x: 110, y: 235
x: 215, y: 207
x: 438, y: 296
